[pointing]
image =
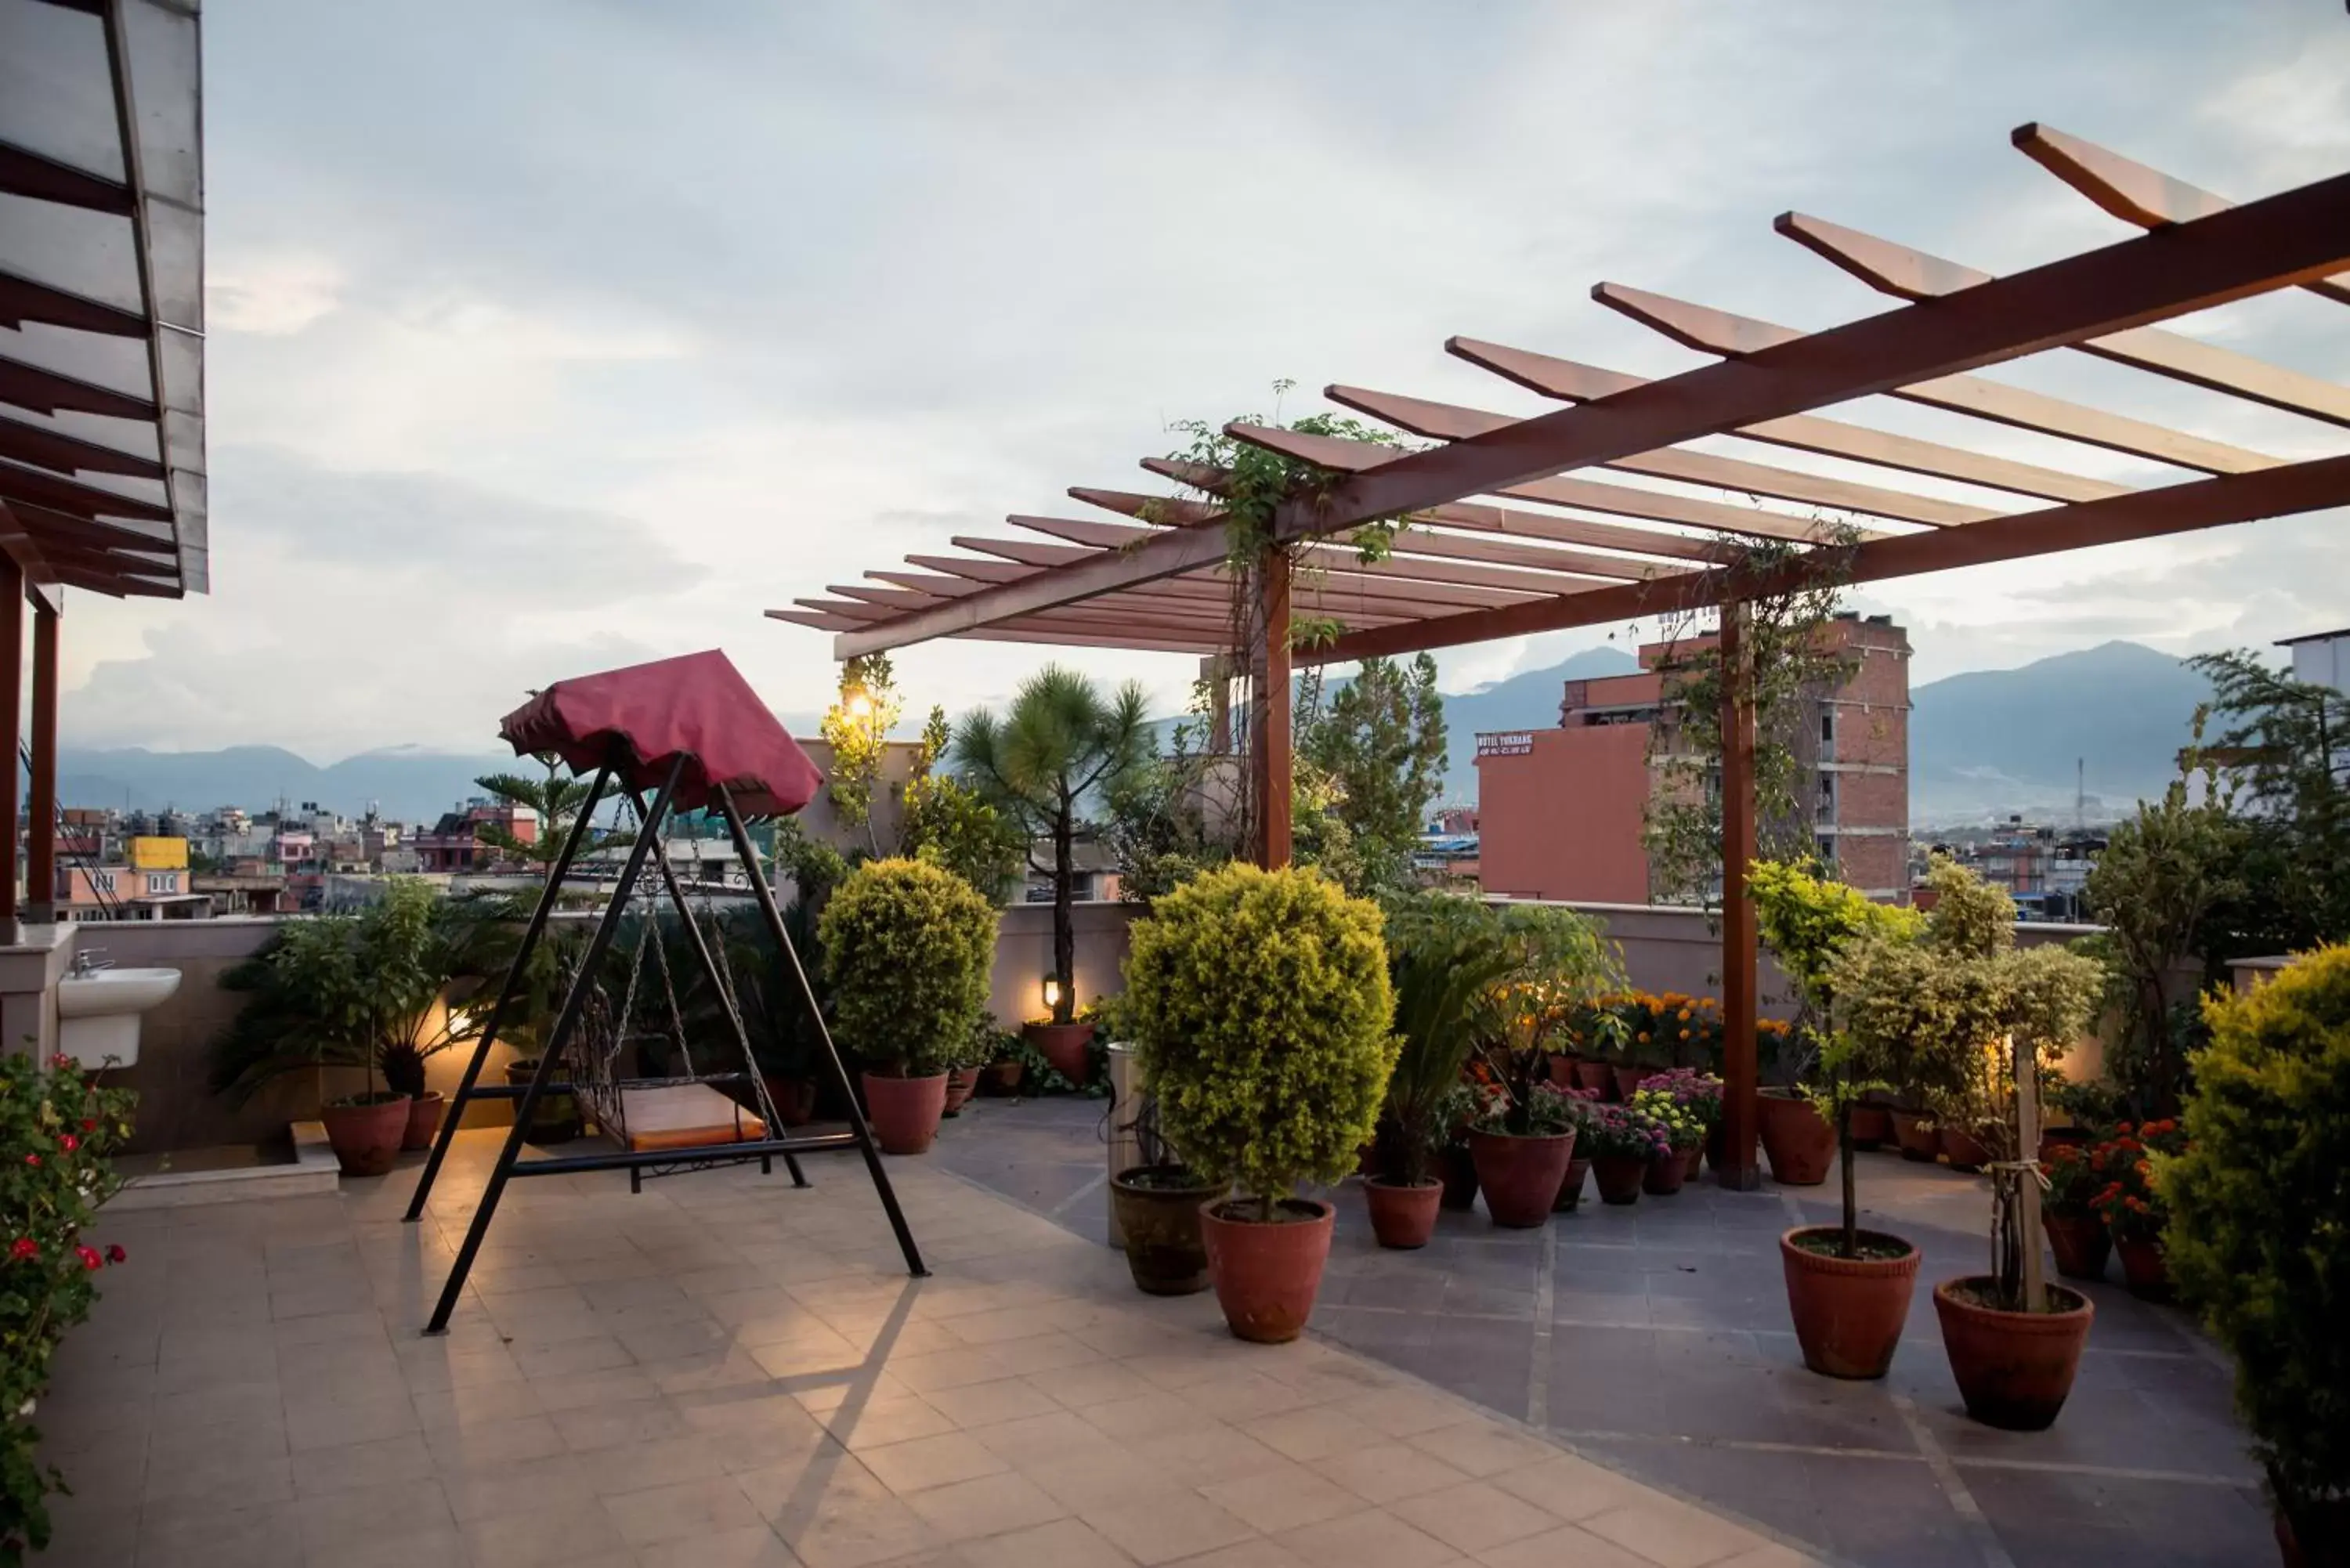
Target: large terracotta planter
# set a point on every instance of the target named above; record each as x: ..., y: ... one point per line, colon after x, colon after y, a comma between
x: 1159, y: 1213
x: 1872, y: 1126
x: 1619, y: 1177
x: 367, y: 1137
x: 1403, y: 1216
x: 2013, y: 1368
x: 1848, y: 1311
x: 1666, y: 1173
x: 1692, y: 1162
x: 423, y: 1120
x: 1626, y: 1082
x: 794, y: 1100
x: 2145, y: 1269
x: 1963, y: 1149
x: 1797, y: 1140
x: 1519, y: 1175
x: 556, y: 1119
x: 1003, y: 1077
x: 1592, y: 1075
x: 1460, y: 1173
x: 1570, y: 1191
x: 1919, y: 1140
x: 1064, y: 1046
x: 905, y: 1112
x: 2080, y: 1243
x: 962, y: 1083
x: 1267, y: 1273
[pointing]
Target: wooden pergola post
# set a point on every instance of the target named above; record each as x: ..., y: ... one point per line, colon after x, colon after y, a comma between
x: 1269, y: 736
x: 1740, y: 1063
x: 41, y: 813
x: 12, y: 684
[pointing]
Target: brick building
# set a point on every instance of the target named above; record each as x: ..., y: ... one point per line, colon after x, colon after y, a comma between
x: 1560, y: 811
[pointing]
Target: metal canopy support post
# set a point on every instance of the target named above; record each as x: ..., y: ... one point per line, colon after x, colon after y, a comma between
x: 860, y: 1131
x: 41, y: 808
x: 1270, y: 742
x: 551, y: 1049
x: 12, y: 682
x: 507, y: 991
x: 1740, y: 1062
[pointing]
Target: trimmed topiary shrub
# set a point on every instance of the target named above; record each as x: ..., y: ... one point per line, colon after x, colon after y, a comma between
x: 908, y: 947
x: 1261, y: 1008
x: 2258, y: 1240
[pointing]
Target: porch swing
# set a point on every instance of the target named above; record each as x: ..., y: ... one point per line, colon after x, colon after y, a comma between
x: 692, y: 730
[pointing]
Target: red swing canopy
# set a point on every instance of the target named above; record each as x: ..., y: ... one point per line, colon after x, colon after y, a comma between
x: 641, y: 719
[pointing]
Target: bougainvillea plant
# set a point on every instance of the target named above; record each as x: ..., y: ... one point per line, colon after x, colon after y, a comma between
x: 56, y: 1133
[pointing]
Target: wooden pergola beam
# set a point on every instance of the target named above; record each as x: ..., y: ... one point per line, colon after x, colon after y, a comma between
x: 1570, y: 381
x: 1331, y: 575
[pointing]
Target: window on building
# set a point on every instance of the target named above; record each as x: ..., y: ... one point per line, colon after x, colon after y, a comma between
x: 1827, y: 850
x: 162, y: 882
x: 102, y: 880
x: 1827, y: 726
x: 1827, y: 802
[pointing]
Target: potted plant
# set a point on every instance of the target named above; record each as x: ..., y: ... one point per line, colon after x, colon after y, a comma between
x: 967, y: 1061
x: 1683, y: 1131
x: 1159, y: 1203
x: 2076, y: 1232
x: 1059, y: 746
x: 1579, y: 1113
x: 2260, y: 1232
x: 1694, y: 1094
x: 908, y: 946
x: 1261, y: 1012
x: 2133, y: 1206
x: 1847, y: 1289
x: 1623, y: 1143
x: 1522, y: 1143
x: 1446, y: 955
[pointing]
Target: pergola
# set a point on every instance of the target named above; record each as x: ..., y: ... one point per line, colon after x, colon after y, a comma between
x: 1514, y: 527
x: 102, y: 345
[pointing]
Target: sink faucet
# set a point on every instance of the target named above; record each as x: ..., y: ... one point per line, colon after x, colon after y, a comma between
x: 89, y: 960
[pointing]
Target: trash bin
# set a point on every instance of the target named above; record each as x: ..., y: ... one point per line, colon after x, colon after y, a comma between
x: 1125, y: 1149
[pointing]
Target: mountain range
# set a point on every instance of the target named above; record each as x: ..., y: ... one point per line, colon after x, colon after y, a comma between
x: 1992, y: 741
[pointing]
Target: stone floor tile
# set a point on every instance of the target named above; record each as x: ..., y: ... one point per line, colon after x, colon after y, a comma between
x: 338, y: 1520
x: 1560, y: 1547
x: 919, y: 1462
x: 680, y: 1510
x: 1382, y: 1472
x: 1670, y: 1533
x: 876, y: 1423
x: 545, y: 1538
x: 1208, y: 1454
x: 1161, y: 1527
x: 403, y: 1457
x: 332, y: 1423
x: 1473, y: 1517
x: 976, y: 1405
x: 1258, y: 1552
x: 837, y: 1515
x: 477, y: 1490
x: 1570, y: 1486
x: 1098, y: 1475
x: 1366, y: 1537
x: 749, y: 1546
x: 1085, y: 1383
x: 1064, y: 1544
x: 1282, y: 1496
x: 1309, y: 1434
x: 984, y: 1506
x: 265, y: 1537
x: 1483, y: 1448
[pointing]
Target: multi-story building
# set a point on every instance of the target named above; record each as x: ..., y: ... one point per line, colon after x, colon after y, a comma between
x: 1561, y: 812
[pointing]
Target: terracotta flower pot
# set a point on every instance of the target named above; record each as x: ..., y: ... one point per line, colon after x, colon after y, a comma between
x: 1848, y: 1311
x: 1562, y: 1071
x: 1570, y: 1191
x: 1267, y: 1273
x: 1519, y: 1175
x: 1963, y: 1149
x: 1919, y: 1140
x: 905, y: 1112
x: 1797, y: 1140
x: 367, y: 1137
x: 1619, y: 1177
x: 2145, y: 1269
x: 1871, y: 1126
x: 2081, y: 1244
x: 794, y: 1100
x: 1402, y: 1217
x: 1592, y: 1075
x: 423, y: 1120
x: 962, y: 1083
x: 1459, y: 1174
x: 1159, y: 1214
x: 2013, y: 1368
x: 1666, y: 1173
x: 1003, y: 1077
x: 1064, y: 1046
x: 1626, y: 1081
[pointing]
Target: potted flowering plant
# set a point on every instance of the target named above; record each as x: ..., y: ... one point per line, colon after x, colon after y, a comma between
x: 1522, y: 1142
x: 1580, y: 1110
x: 2076, y: 1232
x: 1697, y: 1095
x: 1625, y: 1140
x: 2132, y: 1203
x: 1683, y: 1135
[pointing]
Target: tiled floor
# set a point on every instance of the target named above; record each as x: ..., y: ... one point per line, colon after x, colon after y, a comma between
x: 1656, y: 1339
x: 725, y: 1371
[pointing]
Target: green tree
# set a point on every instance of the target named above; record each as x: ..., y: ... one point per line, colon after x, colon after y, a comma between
x: 1378, y: 745
x: 2283, y: 746
x: 948, y: 824
x: 857, y: 727
x: 1059, y: 748
x: 556, y: 799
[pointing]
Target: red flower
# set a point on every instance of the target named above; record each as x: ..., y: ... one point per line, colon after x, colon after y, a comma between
x: 115, y: 1254
x: 89, y: 1124
x: 25, y: 1246
x: 61, y: 1060
x: 89, y: 1258
x: 67, y: 1142
x: 32, y: 1160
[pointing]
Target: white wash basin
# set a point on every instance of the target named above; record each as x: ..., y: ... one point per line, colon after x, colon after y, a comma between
x: 98, y: 1014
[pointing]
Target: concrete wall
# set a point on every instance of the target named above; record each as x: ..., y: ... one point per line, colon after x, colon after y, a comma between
x: 1024, y: 956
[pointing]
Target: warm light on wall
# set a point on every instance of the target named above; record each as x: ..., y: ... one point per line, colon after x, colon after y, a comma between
x: 1052, y: 990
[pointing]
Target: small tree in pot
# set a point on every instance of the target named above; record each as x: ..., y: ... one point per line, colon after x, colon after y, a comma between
x: 908, y: 947
x: 1261, y: 1009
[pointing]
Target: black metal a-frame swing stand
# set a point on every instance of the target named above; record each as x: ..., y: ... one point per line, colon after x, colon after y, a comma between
x: 510, y: 1162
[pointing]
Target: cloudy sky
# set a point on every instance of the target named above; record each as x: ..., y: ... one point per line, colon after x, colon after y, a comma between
x: 546, y: 337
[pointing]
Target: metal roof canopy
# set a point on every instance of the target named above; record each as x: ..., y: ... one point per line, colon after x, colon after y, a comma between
x: 102, y: 483
x: 1660, y: 551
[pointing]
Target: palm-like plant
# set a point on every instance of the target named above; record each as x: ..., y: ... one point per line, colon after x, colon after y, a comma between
x: 1448, y: 958
x: 1060, y: 745
x: 556, y: 798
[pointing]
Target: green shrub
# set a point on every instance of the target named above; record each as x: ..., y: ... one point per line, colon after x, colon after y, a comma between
x: 1449, y: 957
x: 908, y: 947
x: 56, y: 1133
x: 1261, y: 1009
x: 2260, y: 1228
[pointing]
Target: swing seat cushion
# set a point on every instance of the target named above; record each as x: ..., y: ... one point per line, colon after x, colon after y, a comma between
x: 685, y: 1116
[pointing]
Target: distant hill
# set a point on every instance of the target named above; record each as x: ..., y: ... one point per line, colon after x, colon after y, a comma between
x: 407, y: 784
x: 2007, y: 739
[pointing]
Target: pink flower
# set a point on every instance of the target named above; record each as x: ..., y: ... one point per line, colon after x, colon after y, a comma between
x: 61, y: 1060
x: 89, y: 1258
x: 32, y: 1160
x: 67, y: 1142
x: 25, y: 1246
x: 115, y: 1254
